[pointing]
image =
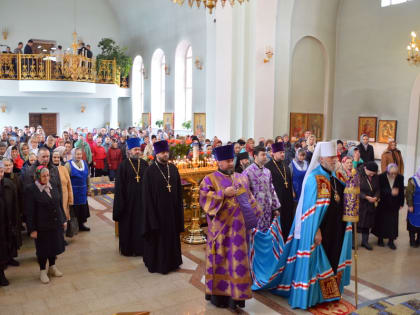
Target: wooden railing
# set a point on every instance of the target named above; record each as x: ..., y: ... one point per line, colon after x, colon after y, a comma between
x: 65, y: 67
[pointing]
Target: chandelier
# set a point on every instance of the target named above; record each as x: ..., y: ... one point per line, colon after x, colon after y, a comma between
x: 209, y: 4
x: 413, y: 50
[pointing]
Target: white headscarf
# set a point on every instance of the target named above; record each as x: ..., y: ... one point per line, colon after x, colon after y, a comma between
x: 322, y: 149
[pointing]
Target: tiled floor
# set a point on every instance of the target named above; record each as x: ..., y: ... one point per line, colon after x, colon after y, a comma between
x: 97, y: 280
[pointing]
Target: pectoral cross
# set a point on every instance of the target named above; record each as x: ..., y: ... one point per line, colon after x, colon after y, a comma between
x: 137, y: 178
x: 286, y: 184
x: 169, y: 187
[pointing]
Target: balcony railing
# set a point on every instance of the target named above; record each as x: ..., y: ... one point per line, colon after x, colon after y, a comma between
x: 65, y: 67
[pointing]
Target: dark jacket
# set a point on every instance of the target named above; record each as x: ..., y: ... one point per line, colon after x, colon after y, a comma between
x: 28, y: 179
x: 42, y: 212
x: 366, y: 155
x: 367, y: 210
x: 28, y: 49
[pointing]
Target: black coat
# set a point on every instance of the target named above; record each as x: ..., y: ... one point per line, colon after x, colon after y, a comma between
x: 42, y: 212
x: 127, y: 210
x: 28, y: 178
x: 366, y: 155
x: 11, y: 202
x: 367, y: 210
x: 386, y: 221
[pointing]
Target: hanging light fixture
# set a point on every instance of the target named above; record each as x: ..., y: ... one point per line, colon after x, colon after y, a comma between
x: 413, y: 49
x: 208, y: 4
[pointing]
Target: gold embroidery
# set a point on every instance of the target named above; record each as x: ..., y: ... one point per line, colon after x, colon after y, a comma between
x: 324, y: 186
x: 329, y: 288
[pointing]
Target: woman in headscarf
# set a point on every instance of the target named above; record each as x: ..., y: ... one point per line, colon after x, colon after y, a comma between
x: 392, y: 200
x: 369, y: 199
x: 392, y: 155
x: 17, y: 182
x: 298, y: 168
x: 17, y: 160
x: 33, y: 144
x: 354, y: 153
x: 249, y: 147
x: 79, y: 176
x: 366, y: 150
x: 24, y: 151
x: 46, y: 221
x: 65, y: 183
x: 413, y: 214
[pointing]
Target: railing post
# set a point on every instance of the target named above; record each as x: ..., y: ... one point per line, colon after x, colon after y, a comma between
x: 19, y: 66
x: 48, y: 67
x: 114, y: 70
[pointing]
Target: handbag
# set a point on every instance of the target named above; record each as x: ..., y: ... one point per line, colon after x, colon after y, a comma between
x: 72, y: 224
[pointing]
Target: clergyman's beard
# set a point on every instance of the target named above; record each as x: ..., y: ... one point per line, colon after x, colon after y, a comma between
x: 135, y: 156
x: 330, y: 167
x: 228, y: 171
x: 163, y: 160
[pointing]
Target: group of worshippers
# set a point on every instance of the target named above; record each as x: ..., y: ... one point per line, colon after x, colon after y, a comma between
x: 46, y: 197
x: 258, y: 240
x: 148, y: 207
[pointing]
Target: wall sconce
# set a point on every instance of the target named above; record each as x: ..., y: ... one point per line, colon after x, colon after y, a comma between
x: 167, y: 70
x: 3, y: 108
x: 82, y: 108
x: 268, y: 54
x: 198, y: 64
x: 5, y: 33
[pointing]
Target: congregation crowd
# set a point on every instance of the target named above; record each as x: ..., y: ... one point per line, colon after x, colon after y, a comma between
x: 45, y: 184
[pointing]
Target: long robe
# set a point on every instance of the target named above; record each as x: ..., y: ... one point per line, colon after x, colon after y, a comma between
x: 261, y: 185
x: 227, y: 265
x: 367, y: 210
x: 162, y: 219
x: 285, y: 195
x: 128, y: 207
x: 12, y: 203
x: 298, y: 269
x: 8, y: 217
x: 387, y: 214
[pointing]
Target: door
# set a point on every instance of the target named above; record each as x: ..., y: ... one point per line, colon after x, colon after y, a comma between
x: 49, y: 123
x: 34, y: 120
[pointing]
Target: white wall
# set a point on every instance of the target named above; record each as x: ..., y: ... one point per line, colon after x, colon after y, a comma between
x: 69, y: 116
x: 308, y: 77
x: 372, y: 75
x: 55, y: 20
x: 148, y: 25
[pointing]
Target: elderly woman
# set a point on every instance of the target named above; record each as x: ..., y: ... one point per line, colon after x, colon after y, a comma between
x: 46, y: 221
x: 78, y: 170
x: 392, y: 200
x: 17, y: 183
x: 413, y: 214
x: 369, y: 199
x: 392, y: 155
x: 24, y: 151
x: 65, y: 183
x: 298, y: 168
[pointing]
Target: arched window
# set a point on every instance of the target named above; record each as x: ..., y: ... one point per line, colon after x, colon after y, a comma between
x: 158, y: 85
x: 183, y: 84
x: 137, y: 90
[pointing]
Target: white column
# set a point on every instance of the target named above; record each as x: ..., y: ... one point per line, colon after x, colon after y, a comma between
x: 265, y: 29
x: 113, y: 119
x: 219, y: 74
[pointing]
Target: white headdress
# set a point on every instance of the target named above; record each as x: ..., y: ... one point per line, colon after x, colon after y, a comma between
x: 322, y: 149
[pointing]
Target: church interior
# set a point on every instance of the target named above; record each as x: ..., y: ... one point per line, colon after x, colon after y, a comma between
x: 220, y: 70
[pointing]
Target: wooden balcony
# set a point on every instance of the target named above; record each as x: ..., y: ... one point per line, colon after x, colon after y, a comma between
x: 67, y: 67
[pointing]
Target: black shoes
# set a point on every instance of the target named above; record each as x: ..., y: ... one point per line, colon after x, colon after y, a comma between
x: 392, y: 245
x: 367, y: 246
x: 381, y: 242
x: 13, y: 262
x: 84, y: 228
x: 3, y: 281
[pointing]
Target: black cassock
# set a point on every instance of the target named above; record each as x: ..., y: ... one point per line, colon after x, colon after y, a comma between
x: 163, y: 218
x: 285, y: 195
x: 128, y: 207
x: 387, y: 214
x: 332, y: 226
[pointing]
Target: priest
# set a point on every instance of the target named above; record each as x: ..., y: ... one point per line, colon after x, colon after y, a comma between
x: 128, y: 200
x: 314, y: 265
x: 231, y: 212
x: 162, y: 220
x: 282, y: 181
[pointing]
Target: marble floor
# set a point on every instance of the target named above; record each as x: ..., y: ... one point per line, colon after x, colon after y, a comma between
x: 97, y: 280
